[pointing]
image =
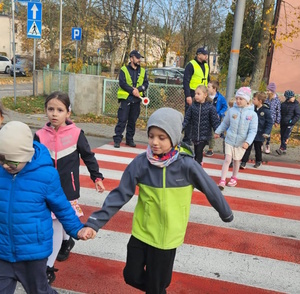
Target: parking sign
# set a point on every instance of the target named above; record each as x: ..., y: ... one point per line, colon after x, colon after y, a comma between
x: 76, y: 34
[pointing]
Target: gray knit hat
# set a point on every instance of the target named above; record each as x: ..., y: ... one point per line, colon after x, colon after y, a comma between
x: 169, y: 120
x: 16, y: 142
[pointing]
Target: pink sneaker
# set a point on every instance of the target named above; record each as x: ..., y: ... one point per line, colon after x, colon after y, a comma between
x: 232, y: 182
x: 222, y: 184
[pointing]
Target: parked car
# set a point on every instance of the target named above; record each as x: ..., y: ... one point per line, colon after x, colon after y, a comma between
x: 5, y: 64
x: 179, y: 70
x: 164, y: 75
x: 23, y: 67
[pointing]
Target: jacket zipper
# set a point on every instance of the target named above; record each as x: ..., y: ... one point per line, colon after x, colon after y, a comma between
x: 73, y: 182
x: 163, y: 215
x: 11, y: 200
x: 200, y: 108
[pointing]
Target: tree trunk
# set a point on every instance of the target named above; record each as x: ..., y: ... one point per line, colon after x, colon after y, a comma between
x: 132, y: 27
x: 259, y: 65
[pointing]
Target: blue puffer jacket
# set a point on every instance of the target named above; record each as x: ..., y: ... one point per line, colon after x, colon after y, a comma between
x: 26, y: 202
x: 202, y: 117
x: 240, y: 125
x: 221, y: 105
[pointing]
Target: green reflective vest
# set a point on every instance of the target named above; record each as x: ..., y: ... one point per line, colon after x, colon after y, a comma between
x: 198, y: 77
x: 122, y: 94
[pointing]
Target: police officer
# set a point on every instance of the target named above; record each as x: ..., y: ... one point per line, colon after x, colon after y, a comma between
x: 196, y: 73
x: 132, y: 84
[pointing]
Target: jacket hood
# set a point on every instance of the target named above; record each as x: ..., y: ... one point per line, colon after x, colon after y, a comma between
x: 248, y: 107
x: 40, y: 158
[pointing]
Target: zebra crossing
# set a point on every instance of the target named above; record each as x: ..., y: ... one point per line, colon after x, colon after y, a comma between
x: 259, y: 252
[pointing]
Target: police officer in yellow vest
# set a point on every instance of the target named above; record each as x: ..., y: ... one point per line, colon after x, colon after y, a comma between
x: 133, y: 82
x: 196, y: 73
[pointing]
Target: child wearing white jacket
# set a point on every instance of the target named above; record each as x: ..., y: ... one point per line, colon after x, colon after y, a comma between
x: 240, y: 124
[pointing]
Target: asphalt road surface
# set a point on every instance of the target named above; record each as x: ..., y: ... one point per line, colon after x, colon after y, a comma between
x: 21, y: 90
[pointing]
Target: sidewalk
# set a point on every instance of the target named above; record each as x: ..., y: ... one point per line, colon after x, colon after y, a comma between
x: 37, y: 121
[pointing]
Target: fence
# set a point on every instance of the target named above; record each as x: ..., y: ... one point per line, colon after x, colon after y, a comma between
x: 54, y: 80
x: 160, y: 95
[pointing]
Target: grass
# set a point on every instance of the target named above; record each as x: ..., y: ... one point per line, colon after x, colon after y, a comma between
x: 35, y: 105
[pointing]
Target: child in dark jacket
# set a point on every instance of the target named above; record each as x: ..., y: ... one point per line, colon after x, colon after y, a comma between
x: 166, y: 175
x: 203, y: 117
x: 29, y: 190
x: 290, y: 114
x: 265, y: 123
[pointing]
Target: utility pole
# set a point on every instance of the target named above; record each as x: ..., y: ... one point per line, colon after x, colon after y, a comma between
x: 235, y: 47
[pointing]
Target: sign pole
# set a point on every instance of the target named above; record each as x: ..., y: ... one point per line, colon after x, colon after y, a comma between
x: 34, y: 30
x: 76, y: 36
x: 34, y: 56
x: 14, y: 47
x: 76, y: 50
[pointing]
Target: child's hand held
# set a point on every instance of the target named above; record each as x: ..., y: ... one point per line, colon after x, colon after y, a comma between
x: 99, y: 185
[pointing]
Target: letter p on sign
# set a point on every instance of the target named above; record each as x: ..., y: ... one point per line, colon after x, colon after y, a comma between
x: 76, y: 34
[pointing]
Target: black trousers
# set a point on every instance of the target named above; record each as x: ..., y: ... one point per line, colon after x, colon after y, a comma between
x: 199, y: 151
x: 128, y: 113
x: 285, y: 133
x: 188, y: 129
x: 31, y: 274
x: 148, y: 268
x: 258, y: 152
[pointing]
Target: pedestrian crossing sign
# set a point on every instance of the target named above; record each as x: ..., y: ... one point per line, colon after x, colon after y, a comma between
x: 34, y: 29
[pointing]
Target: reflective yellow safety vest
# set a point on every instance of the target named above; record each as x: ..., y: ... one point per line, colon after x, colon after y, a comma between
x: 198, y: 77
x: 122, y: 94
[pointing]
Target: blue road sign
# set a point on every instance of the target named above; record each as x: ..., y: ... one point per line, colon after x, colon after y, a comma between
x: 34, y: 11
x: 76, y: 34
x: 34, y: 20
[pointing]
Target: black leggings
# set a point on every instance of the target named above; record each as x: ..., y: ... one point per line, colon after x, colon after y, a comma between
x: 148, y: 268
x: 199, y: 151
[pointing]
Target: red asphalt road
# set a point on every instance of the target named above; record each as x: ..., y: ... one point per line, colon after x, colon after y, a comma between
x: 89, y: 274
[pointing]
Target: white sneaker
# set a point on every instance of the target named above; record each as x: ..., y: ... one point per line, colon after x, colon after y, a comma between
x: 268, y: 149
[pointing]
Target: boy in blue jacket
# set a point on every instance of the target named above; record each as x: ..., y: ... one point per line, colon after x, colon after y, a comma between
x: 29, y: 190
x: 219, y: 101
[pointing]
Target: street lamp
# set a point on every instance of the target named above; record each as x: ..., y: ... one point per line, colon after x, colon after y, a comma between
x: 60, y: 36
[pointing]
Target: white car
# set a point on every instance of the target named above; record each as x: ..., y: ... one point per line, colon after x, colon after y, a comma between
x: 5, y: 64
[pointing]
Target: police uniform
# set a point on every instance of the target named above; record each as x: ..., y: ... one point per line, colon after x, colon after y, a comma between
x: 129, y: 109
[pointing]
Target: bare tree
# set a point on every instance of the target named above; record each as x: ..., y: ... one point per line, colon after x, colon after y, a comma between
x: 201, y: 25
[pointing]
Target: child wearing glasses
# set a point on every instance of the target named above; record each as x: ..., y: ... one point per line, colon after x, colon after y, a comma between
x: 29, y: 190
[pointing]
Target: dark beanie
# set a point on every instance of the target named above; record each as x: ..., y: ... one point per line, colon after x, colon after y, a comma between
x: 288, y: 94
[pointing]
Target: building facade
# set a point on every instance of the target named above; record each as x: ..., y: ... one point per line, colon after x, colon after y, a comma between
x: 285, y: 70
